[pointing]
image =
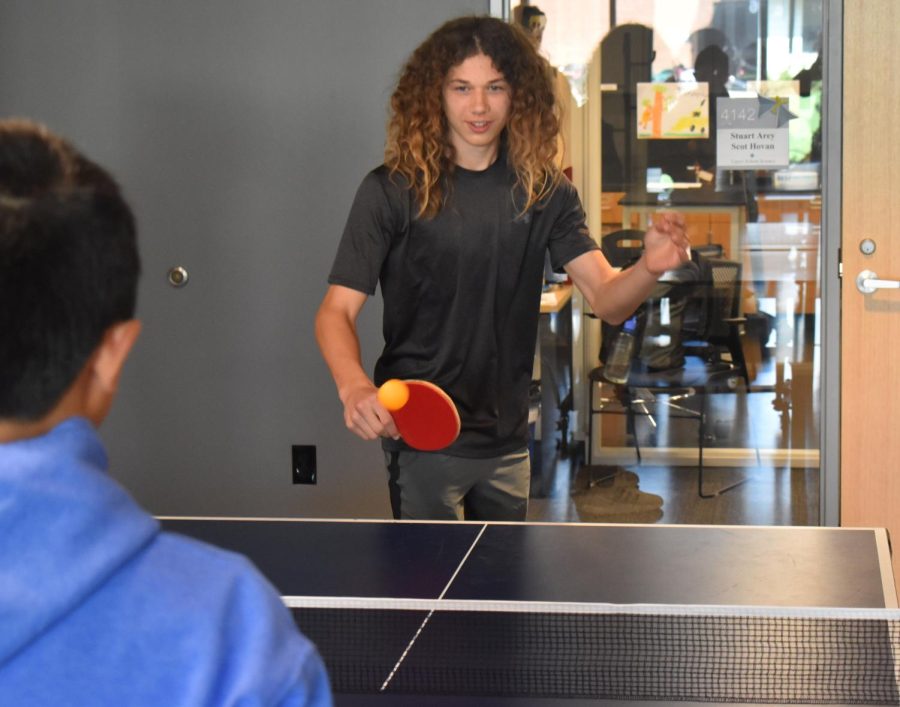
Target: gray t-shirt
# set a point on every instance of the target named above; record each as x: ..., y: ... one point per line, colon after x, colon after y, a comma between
x: 461, y: 291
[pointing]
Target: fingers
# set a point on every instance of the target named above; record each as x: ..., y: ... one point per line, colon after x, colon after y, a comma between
x: 667, y: 244
x: 680, y: 238
x: 668, y: 221
x: 672, y: 224
x: 367, y: 418
x: 390, y: 429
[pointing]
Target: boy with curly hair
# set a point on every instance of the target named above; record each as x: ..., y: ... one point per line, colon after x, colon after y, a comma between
x: 455, y: 226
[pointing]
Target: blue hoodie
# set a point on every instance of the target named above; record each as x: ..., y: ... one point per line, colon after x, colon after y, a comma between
x: 99, y: 607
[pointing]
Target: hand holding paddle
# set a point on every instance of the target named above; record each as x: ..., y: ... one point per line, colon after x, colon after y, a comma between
x: 424, y: 414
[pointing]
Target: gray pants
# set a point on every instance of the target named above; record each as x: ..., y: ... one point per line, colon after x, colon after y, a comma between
x: 434, y: 486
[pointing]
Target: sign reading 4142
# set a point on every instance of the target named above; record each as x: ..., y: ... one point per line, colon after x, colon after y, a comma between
x: 731, y: 115
x: 752, y: 133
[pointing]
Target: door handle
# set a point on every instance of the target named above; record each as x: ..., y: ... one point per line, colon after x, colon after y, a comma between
x: 867, y: 282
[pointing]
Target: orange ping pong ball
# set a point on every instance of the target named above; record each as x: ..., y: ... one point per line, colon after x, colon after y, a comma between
x: 393, y: 394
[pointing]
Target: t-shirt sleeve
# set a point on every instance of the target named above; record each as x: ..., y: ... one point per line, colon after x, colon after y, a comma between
x: 569, y: 236
x: 367, y: 235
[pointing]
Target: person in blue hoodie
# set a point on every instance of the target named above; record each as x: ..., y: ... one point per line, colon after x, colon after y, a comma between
x: 97, y: 605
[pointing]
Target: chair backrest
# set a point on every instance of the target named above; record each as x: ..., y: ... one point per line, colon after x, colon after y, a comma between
x: 719, y: 328
x: 706, y: 250
x: 718, y: 284
x: 623, y: 248
x: 725, y: 297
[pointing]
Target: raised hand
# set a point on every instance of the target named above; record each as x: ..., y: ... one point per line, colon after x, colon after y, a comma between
x: 666, y: 243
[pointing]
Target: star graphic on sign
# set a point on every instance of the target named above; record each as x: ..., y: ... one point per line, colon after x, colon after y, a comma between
x: 778, y: 106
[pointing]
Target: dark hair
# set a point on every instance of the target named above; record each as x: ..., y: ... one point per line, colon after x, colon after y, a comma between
x: 69, y: 265
x: 711, y: 65
x: 529, y: 11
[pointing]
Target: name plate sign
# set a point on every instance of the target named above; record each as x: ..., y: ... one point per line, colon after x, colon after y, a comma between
x: 752, y: 133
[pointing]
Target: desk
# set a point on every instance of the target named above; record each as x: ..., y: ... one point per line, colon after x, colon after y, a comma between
x: 689, y: 200
x: 555, y: 298
x: 319, y: 563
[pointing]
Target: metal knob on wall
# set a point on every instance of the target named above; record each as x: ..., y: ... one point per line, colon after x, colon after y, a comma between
x: 178, y: 276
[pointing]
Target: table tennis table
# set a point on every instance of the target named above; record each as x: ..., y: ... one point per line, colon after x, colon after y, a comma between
x: 566, y: 564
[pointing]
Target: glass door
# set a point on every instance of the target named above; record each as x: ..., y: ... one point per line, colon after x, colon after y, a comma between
x: 712, y: 108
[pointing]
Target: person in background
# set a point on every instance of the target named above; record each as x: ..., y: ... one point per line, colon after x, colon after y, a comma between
x: 533, y: 20
x: 454, y: 227
x: 97, y: 605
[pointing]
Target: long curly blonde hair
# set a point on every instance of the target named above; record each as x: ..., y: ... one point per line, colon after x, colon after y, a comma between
x: 418, y: 147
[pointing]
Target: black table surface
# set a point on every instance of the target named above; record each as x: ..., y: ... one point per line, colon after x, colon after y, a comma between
x: 619, y: 564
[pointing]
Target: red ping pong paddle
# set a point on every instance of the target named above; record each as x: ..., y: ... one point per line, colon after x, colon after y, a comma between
x: 424, y: 414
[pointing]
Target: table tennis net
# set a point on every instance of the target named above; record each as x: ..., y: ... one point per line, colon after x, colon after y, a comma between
x: 620, y: 652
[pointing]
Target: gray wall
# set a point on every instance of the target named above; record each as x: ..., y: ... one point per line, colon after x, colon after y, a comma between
x: 240, y: 132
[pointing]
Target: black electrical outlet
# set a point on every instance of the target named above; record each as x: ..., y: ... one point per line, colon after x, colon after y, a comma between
x: 303, y: 458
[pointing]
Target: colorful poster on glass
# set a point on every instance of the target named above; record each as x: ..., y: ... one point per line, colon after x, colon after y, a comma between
x: 672, y: 111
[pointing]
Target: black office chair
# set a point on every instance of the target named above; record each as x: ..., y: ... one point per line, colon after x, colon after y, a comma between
x: 714, y: 328
x: 683, y: 355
